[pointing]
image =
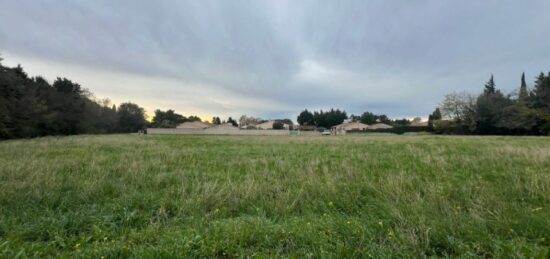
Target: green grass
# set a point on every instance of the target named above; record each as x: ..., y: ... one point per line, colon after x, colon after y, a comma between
x: 228, y: 196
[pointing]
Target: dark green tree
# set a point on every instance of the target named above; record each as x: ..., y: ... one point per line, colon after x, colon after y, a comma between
x: 540, y: 101
x: 368, y: 118
x: 355, y: 118
x: 216, y: 120
x: 131, y: 117
x: 193, y: 118
x: 287, y: 122
x: 232, y: 122
x: 31, y: 107
x: 541, y: 92
x: 435, y: 116
x: 489, y: 109
x: 490, y: 86
x: 523, y: 93
x: 278, y: 125
x: 518, y: 119
x: 167, y: 119
x: 329, y: 118
x: 384, y: 119
x: 305, y: 118
x: 68, y: 104
x: 401, y: 122
x: 489, y: 112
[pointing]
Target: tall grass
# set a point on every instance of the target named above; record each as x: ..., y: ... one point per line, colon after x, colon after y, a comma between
x: 238, y: 196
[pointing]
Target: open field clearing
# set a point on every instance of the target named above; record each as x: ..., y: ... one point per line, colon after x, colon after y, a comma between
x: 237, y: 196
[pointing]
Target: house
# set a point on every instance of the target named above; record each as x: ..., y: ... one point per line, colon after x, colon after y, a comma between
x: 379, y: 126
x: 269, y: 125
x: 194, y: 125
x: 350, y: 126
x: 221, y: 128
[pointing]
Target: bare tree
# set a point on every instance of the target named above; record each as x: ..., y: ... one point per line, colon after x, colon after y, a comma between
x: 245, y: 121
x: 458, y: 106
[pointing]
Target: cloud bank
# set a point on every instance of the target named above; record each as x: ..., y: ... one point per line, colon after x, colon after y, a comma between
x: 274, y: 58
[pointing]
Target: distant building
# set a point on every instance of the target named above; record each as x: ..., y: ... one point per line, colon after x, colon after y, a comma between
x: 380, y: 126
x: 269, y: 125
x: 221, y: 127
x: 194, y: 125
x: 350, y: 126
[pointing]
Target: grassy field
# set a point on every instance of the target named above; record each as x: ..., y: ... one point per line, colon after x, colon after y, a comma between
x: 227, y: 196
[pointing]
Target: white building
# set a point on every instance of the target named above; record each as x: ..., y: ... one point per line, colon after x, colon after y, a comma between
x: 269, y: 125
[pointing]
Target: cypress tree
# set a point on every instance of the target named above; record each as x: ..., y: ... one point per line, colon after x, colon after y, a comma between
x: 523, y: 89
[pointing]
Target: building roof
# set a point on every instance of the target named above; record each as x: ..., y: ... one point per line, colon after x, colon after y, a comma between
x: 269, y: 125
x: 194, y: 125
x: 265, y: 125
x: 225, y: 126
x: 351, y: 126
x: 380, y: 126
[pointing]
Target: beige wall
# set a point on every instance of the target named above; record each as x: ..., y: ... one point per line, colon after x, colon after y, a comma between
x: 310, y: 133
x: 218, y: 132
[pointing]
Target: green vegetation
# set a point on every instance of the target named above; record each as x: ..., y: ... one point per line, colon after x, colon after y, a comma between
x: 492, y: 112
x: 325, y: 119
x: 32, y: 107
x: 233, y: 196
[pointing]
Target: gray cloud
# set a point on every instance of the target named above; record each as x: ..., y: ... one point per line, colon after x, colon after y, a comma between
x: 274, y: 58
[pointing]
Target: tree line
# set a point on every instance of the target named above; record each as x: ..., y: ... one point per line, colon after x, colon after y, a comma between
x: 169, y: 119
x: 328, y: 119
x: 32, y: 107
x: 525, y: 111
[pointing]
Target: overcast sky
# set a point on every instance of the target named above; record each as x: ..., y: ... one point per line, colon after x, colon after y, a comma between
x: 274, y: 58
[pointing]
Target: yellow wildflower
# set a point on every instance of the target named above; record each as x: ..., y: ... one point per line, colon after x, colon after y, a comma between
x: 390, y: 233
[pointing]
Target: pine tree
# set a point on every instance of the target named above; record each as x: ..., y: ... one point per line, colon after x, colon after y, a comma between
x: 523, y: 89
x: 490, y: 86
x: 232, y: 122
x: 436, y: 115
